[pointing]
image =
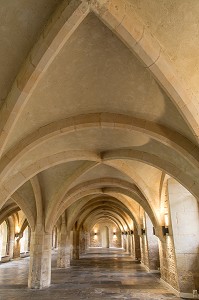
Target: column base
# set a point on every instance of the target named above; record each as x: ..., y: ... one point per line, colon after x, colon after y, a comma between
x: 176, y: 292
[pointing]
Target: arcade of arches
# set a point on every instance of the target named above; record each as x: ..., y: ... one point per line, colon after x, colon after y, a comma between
x: 99, y: 120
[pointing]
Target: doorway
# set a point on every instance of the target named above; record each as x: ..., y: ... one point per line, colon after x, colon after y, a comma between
x: 105, y: 237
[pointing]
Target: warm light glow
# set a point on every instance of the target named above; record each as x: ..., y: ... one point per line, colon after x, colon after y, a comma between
x: 114, y: 234
x: 166, y: 219
x: 17, y: 229
x: 131, y: 225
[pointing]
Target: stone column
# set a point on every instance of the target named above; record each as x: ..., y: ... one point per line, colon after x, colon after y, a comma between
x: 75, y: 249
x: 82, y: 242
x: 40, y: 259
x: 136, y: 239
x: 29, y: 237
x: 11, y: 247
x: 152, y: 246
x: 133, y: 247
x: 149, y: 246
x: 124, y: 243
x: 16, y: 249
x: 130, y: 244
x: 127, y: 243
x: 11, y: 239
x: 185, y: 229
x: 63, y: 255
x: 87, y: 240
x: 144, y: 251
x: 168, y: 268
x: 122, y: 240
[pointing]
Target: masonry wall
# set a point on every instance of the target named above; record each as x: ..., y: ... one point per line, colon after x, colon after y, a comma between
x: 137, y: 244
x: 114, y: 235
x: 184, y: 210
x: 95, y: 240
x: 168, y: 268
x: 153, y: 249
x: 144, y: 250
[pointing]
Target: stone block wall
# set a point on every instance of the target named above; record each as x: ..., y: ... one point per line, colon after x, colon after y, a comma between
x: 136, y: 242
x: 95, y: 240
x: 144, y: 251
x: 184, y: 210
x: 168, y: 267
x: 153, y: 248
x: 113, y: 238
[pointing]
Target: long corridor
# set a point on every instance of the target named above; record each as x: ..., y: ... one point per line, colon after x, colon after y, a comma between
x: 97, y: 275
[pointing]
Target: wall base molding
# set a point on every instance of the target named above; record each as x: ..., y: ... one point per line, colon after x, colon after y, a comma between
x: 187, y: 296
x: 177, y: 293
x: 149, y: 270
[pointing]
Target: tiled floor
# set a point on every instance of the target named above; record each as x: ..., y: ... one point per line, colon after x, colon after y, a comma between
x: 98, y: 275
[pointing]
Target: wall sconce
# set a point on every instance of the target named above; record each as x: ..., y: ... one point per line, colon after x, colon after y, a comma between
x: 131, y: 232
x: 165, y: 230
x: 126, y: 233
x: 143, y: 231
x: 18, y: 235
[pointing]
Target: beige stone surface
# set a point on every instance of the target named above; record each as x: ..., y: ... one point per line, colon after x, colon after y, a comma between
x: 99, y: 127
x: 178, y: 39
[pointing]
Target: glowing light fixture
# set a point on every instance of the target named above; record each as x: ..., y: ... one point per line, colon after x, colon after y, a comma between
x: 165, y: 230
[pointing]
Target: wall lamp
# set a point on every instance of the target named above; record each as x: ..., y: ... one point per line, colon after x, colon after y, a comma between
x: 131, y: 232
x: 124, y: 233
x: 165, y: 230
x: 18, y: 235
x: 143, y: 231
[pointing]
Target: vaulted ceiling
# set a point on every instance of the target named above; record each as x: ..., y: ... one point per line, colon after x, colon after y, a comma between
x: 98, y: 103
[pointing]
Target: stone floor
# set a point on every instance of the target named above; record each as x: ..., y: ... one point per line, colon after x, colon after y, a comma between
x: 97, y: 275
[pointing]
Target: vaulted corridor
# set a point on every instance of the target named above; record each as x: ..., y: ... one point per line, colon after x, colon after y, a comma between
x: 99, y: 148
x: 99, y: 274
